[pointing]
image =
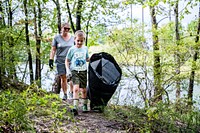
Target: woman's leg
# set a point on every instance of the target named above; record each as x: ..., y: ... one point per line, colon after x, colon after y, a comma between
x: 71, y: 86
x: 70, y: 94
x: 64, y: 84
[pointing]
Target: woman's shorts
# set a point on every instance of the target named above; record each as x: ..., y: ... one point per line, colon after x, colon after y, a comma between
x: 79, y: 78
x: 61, y: 70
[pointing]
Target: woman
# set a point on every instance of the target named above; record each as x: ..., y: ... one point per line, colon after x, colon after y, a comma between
x: 60, y: 46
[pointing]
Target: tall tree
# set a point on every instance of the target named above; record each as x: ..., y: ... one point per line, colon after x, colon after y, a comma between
x: 38, y: 35
x: 12, y: 69
x: 177, y: 54
x: 28, y: 42
x: 1, y: 43
x: 156, y: 54
x: 56, y: 2
x: 195, y: 57
x: 94, y: 6
x: 79, y: 9
x: 56, y: 87
x: 78, y: 14
x: 70, y: 16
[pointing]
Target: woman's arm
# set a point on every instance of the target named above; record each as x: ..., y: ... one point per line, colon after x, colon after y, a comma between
x: 52, y: 53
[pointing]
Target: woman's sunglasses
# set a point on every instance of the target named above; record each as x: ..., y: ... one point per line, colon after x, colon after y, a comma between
x: 65, y: 28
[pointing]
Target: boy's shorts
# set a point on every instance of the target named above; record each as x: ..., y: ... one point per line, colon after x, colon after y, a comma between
x: 79, y: 78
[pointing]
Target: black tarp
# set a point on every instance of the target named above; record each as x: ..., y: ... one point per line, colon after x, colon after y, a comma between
x: 104, y: 75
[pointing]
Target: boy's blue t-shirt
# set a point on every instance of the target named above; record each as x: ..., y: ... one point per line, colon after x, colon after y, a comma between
x: 77, y: 57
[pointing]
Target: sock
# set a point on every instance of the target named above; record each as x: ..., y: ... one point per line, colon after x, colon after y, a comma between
x: 76, y: 103
x: 84, y: 101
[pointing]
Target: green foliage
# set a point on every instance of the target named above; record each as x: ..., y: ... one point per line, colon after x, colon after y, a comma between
x: 19, y: 109
x: 192, y: 28
x: 168, y: 48
x: 128, y: 45
x: 98, y: 35
x: 159, y: 118
x: 13, y: 111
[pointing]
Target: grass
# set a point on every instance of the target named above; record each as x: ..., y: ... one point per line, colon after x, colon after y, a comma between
x: 162, y: 118
x: 27, y: 110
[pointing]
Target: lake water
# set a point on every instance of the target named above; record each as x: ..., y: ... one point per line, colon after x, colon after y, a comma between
x: 127, y: 92
x: 129, y: 95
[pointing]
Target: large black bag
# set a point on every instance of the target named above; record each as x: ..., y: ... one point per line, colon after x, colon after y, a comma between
x: 104, y: 75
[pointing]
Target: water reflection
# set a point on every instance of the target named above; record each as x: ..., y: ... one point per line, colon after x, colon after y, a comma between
x: 127, y: 92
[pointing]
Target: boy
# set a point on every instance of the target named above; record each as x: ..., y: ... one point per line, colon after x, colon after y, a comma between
x: 78, y: 56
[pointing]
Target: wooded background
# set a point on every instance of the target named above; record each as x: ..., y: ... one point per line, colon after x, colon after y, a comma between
x: 169, y: 52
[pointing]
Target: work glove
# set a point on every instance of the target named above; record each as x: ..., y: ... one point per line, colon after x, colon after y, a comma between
x: 51, y: 63
x: 69, y: 74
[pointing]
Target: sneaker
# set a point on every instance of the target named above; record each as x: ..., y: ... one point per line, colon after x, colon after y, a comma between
x: 84, y: 108
x: 70, y: 95
x: 74, y: 111
x: 64, y: 97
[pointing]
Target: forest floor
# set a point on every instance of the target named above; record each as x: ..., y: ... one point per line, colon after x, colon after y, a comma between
x: 45, y: 120
x: 90, y: 122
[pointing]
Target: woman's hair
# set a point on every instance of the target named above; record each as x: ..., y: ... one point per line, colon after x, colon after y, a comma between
x: 64, y: 24
x: 80, y: 33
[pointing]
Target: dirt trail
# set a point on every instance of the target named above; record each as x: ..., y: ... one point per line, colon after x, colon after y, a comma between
x: 90, y: 122
x: 93, y: 122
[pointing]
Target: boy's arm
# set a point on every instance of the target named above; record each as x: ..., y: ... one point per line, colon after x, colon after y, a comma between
x: 69, y: 74
x: 67, y: 63
x: 87, y: 56
x: 88, y: 59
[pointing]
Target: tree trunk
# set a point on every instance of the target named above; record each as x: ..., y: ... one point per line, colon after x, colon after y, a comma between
x: 28, y: 43
x: 12, y: 71
x: 56, y: 86
x: 70, y: 17
x: 58, y: 14
x: 195, y: 57
x: 88, y: 22
x: 157, y: 67
x: 78, y: 15
x: 1, y: 44
x: 10, y: 13
x: 38, y: 45
x: 177, y: 55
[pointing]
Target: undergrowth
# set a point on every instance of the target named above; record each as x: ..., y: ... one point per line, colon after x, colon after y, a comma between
x: 25, y: 111
x: 19, y: 108
x: 161, y: 118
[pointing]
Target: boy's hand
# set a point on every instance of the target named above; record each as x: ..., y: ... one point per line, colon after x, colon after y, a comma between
x: 69, y: 74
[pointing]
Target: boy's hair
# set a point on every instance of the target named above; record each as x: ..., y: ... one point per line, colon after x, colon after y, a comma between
x: 80, y: 33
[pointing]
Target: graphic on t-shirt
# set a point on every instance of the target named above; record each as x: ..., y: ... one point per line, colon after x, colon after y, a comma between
x: 79, y: 60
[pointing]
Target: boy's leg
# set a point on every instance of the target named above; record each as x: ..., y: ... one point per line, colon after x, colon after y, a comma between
x: 75, y: 99
x: 75, y: 94
x: 75, y: 86
x: 83, y: 84
x: 84, y: 99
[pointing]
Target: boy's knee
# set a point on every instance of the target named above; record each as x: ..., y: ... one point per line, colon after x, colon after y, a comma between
x: 83, y: 90
x: 76, y: 89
